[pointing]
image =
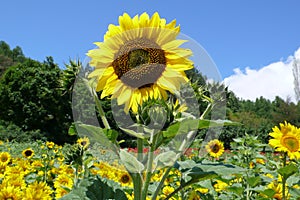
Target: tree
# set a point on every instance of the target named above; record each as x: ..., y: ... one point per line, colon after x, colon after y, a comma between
x: 9, y: 57
x: 31, y: 97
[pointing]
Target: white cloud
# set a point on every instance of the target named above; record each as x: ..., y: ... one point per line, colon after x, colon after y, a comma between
x: 275, y: 79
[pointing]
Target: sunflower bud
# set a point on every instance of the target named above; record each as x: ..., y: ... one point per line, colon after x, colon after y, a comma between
x: 158, y: 115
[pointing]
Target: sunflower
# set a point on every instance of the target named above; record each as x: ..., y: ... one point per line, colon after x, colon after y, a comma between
x: 277, y: 188
x: 4, y: 158
x: 50, y: 145
x: 63, y: 180
x: 38, y: 190
x: 11, y: 192
x: 139, y: 60
x: 83, y: 142
x: 28, y: 153
x: 219, y: 186
x: 215, y: 148
x: 286, y: 139
x: 125, y: 179
x: 60, y: 192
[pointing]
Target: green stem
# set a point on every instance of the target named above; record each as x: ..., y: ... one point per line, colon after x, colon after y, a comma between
x: 207, y: 110
x: 149, y: 166
x: 140, y: 147
x: 161, y: 183
x: 137, y: 182
x: 283, y: 178
x: 101, y: 112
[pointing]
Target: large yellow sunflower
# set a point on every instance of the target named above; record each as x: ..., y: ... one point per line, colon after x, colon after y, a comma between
x: 286, y: 139
x: 140, y: 59
x: 215, y: 148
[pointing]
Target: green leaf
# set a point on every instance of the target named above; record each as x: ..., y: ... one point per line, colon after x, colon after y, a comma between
x: 235, y: 189
x: 254, y: 181
x: 130, y: 162
x: 111, y: 134
x: 95, y: 189
x: 269, y: 193
x: 196, y: 174
x: 95, y: 134
x: 140, y: 135
x: 288, y: 170
x: 187, y: 125
x: 165, y: 159
x: 220, y: 168
x: 72, y: 130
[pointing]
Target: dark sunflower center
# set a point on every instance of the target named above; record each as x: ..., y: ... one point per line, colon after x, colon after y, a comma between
x: 125, y: 178
x: 291, y: 143
x: 28, y: 153
x: 4, y: 159
x: 83, y: 143
x: 139, y: 63
x: 215, y: 148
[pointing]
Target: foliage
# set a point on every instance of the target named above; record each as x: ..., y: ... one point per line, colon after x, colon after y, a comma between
x: 31, y: 97
x: 11, y: 132
x: 9, y: 57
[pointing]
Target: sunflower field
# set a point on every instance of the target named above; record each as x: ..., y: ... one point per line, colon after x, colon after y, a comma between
x: 142, y: 128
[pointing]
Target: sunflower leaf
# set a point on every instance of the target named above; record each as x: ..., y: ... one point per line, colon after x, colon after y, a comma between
x: 165, y: 159
x: 288, y: 170
x: 130, y: 162
x: 94, y: 189
x: 187, y: 125
x: 140, y: 135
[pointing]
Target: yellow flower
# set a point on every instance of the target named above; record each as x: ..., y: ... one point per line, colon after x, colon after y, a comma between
x: 202, y: 190
x: 63, y: 180
x: 139, y: 60
x: 215, y: 148
x: 60, y: 192
x: 286, y: 139
x: 4, y: 158
x: 38, y: 190
x: 50, y: 145
x: 28, y: 153
x: 83, y: 142
x: 11, y: 192
x: 220, y: 186
x: 125, y: 179
x: 14, y: 180
x: 277, y: 187
x: 168, y: 190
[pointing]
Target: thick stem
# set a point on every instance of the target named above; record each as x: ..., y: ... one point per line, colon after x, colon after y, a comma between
x: 140, y: 147
x: 283, y: 178
x: 137, y: 182
x: 149, y: 167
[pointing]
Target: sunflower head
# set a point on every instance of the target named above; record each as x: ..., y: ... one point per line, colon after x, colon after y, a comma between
x: 83, y: 142
x: 50, y: 145
x: 28, y: 153
x: 125, y: 179
x: 215, y: 148
x: 286, y: 139
x: 4, y: 158
x: 139, y: 59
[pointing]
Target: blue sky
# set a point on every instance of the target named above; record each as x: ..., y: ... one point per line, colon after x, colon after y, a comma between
x: 236, y: 34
